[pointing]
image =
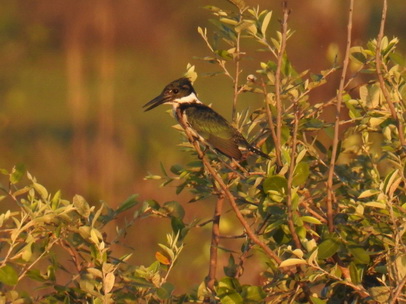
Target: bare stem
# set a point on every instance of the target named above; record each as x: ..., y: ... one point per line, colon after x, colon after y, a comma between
x: 215, y: 235
x: 271, y: 125
x: 330, y: 193
x: 292, y: 165
x: 278, y: 86
x: 237, y: 76
x: 379, y: 63
x: 398, y: 290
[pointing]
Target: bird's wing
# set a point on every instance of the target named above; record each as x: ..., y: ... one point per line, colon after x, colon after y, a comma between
x: 214, y: 128
x: 227, y: 147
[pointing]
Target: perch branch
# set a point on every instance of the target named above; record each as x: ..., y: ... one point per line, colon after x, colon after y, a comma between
x: 330, y: 193
x: 224, y: 189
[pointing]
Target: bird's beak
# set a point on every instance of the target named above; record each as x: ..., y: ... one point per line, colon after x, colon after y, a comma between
x: 161, y: 99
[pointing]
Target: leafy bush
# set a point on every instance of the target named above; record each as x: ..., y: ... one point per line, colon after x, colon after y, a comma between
x: 326, y: 217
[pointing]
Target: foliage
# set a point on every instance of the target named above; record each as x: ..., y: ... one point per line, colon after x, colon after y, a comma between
x: 328, y: 226
x: 55, y: 251
x: 359, y: 253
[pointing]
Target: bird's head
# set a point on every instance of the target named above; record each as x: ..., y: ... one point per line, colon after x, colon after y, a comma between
x: 178, y: 91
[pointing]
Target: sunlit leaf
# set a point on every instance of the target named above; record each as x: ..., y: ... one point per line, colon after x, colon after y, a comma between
x: 81, y: 205
x: 17, y: 173
x: 109, y: 282
x: 162, y: 258
x: 368, y: 193
x: 292, y: 262
x: 265, y: 22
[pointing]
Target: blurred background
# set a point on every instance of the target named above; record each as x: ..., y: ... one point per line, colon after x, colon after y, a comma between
x: 75, y: 74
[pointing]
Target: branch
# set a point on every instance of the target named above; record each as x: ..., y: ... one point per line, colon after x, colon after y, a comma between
x: 292, y: 165
x: 226, y: 192
x: 215, y: 235
x: 237, y: 74
x: 330, y: 193
x: 272, y: 126
x: 378, y: 61
x: 278, y: 88
x: 398, y: 290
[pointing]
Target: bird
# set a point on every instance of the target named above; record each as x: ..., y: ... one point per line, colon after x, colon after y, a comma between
x: 206, y: 125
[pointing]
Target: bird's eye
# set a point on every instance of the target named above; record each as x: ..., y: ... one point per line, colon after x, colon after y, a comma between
x: 176, y: 91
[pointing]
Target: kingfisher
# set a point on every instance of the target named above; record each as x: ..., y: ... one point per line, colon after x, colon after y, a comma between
x: 207, y: 126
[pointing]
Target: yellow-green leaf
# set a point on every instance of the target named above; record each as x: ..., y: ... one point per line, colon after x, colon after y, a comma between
x: 8, y: 275
x: 368, y: 193
x: 292, y: 262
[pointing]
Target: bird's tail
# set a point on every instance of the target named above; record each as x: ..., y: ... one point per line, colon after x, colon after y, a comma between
x: 259, y: 152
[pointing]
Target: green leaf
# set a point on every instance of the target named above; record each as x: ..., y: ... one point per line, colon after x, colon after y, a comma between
x: 301, y: 174
x: 381, y: 294
x: 360, y: 255
x: 230, y: 283
x: 389, y: 179
x: 311, y: 220
x: 128, y: 204
x: 228, y: 21
x: 177, y: 224
x: 356, y: 273
x: 231, y: 269
x: 224, y: 54
x: 36, y: 275
x: 174, y: 209
x: 253, y: 294
x: 328, y: 248
x: 176, y: 169
x: 229, y: 297
x: 358, y: 55
x: 41, y: 190
x: 165, y: 291
x: 17, y: 173
x: 8, y: 275
x: 376, y: 205
x: 315, y: 300
x: 81, y: 205
x: 354, y: 113
x: 275, y: 183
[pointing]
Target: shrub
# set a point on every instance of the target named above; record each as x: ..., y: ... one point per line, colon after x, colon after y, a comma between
x: 327, y: 218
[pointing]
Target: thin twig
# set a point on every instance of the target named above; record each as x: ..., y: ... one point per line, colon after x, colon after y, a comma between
x: 330, y: 193
x: 215, y: 235
x: 46, y: 251
x: 398, y: 290
x: 358, y: 288
x: 237, y: 75
x: 278, y: 85
x: 271, y: 125
x: 292, y: 165
x: 379, y: 63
